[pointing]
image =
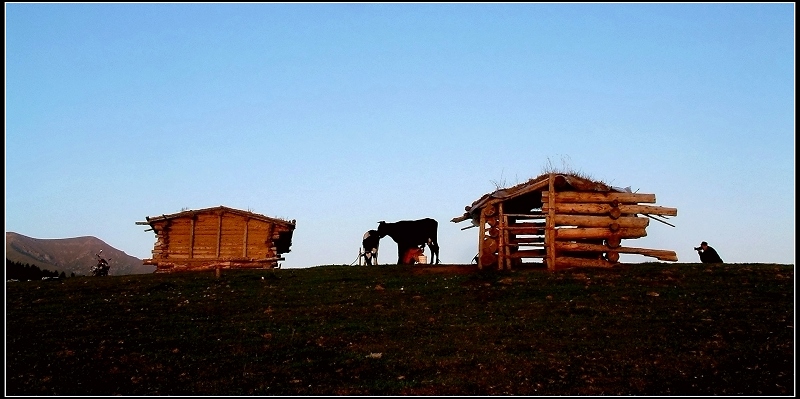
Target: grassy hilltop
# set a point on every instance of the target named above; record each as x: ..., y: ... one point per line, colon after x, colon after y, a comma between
x: 643, y: 329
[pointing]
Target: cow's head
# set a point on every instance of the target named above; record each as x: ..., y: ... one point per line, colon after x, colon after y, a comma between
x: 382, y: 229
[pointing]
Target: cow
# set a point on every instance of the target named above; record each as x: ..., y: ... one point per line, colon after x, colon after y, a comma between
x: 410, y: 234
x: 370, y: 244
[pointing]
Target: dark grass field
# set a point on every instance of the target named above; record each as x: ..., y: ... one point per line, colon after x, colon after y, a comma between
x: 642, y: 329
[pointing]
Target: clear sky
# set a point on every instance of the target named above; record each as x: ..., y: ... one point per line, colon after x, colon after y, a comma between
x: 343, y: 115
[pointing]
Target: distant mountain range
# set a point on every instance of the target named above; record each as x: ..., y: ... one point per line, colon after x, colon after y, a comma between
x: 71, y: 255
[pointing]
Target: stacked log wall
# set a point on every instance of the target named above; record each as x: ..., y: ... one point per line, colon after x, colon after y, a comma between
x: 589, y: 226
x: 567, y: 229
x: 507, y: 239
x: 205, y: 236
x: 179, y: 231
x: 216, y: 239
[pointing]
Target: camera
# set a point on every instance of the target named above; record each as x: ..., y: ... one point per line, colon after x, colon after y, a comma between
x: 698, y: 248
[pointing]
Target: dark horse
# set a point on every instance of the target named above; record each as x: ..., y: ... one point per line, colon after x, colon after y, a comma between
x: 410, y: 234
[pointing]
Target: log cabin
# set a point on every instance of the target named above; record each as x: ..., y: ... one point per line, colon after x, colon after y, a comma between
x: 218, y: 238
x: 562, y: 220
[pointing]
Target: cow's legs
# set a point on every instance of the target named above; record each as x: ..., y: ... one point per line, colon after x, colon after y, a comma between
x: 368, y: 258
x: 401, y: 250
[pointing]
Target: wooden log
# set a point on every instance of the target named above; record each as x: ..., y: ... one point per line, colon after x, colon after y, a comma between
x: 614, y: 241
x: 501, y: 251
x: 489, y: 210
x: 653, y: 253
x: 600, y: 221
x: 481, y: 237
x: 488, y: 259
x: 604, y: 209
x: 612, y: 256
x: 559, y: 181
x: 489, y: 245
x: 494, y: 232
x: 599, y: 197
x: 550, y: 232
x: 219, y: 234
x: 565, y: 261
x: 597, y: 232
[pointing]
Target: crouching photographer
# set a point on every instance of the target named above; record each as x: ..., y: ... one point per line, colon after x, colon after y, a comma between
x: 708, y: 254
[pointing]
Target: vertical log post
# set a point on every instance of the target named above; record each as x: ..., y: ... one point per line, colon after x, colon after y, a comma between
x: 481, y: 239
x: 191, y: 238
x: 244, y: 240
x: 550, y: 233
x: 501, y: 247
x: 219, y: 235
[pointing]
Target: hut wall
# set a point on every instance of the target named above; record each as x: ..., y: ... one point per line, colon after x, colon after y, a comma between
x: 566, y: 229
x: 231, y: 239
x: 258, y: 239
x: 179, y: 231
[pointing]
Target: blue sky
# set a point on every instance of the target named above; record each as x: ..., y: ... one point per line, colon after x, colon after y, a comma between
x: 342, y: 115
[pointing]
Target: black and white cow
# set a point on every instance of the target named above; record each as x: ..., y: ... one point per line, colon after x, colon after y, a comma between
x: 370, y: 244
x: 410, y: 234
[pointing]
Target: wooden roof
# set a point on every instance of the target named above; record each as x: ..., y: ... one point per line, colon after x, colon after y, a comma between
x: 567, y: 182
x: 191, y: 213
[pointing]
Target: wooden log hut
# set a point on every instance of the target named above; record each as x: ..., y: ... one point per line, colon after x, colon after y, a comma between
x: 218, y: 238
x: 562, y: 220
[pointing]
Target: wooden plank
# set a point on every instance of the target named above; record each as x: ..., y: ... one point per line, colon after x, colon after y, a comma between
x: 525, y: 230
x: 528, y: 240
x: 529, y: 253
x: 540, y: 225
x: 600, y: 221
x: 534, y: 215
x: 597, y: 232
x: 600, y: 197
x: 604, y: 209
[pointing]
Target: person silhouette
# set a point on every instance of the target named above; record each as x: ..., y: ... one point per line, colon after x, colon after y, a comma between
x: 708, y: 254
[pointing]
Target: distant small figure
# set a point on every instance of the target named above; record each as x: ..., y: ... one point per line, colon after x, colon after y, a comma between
x: 101, y: 268
x: 708, y: 254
